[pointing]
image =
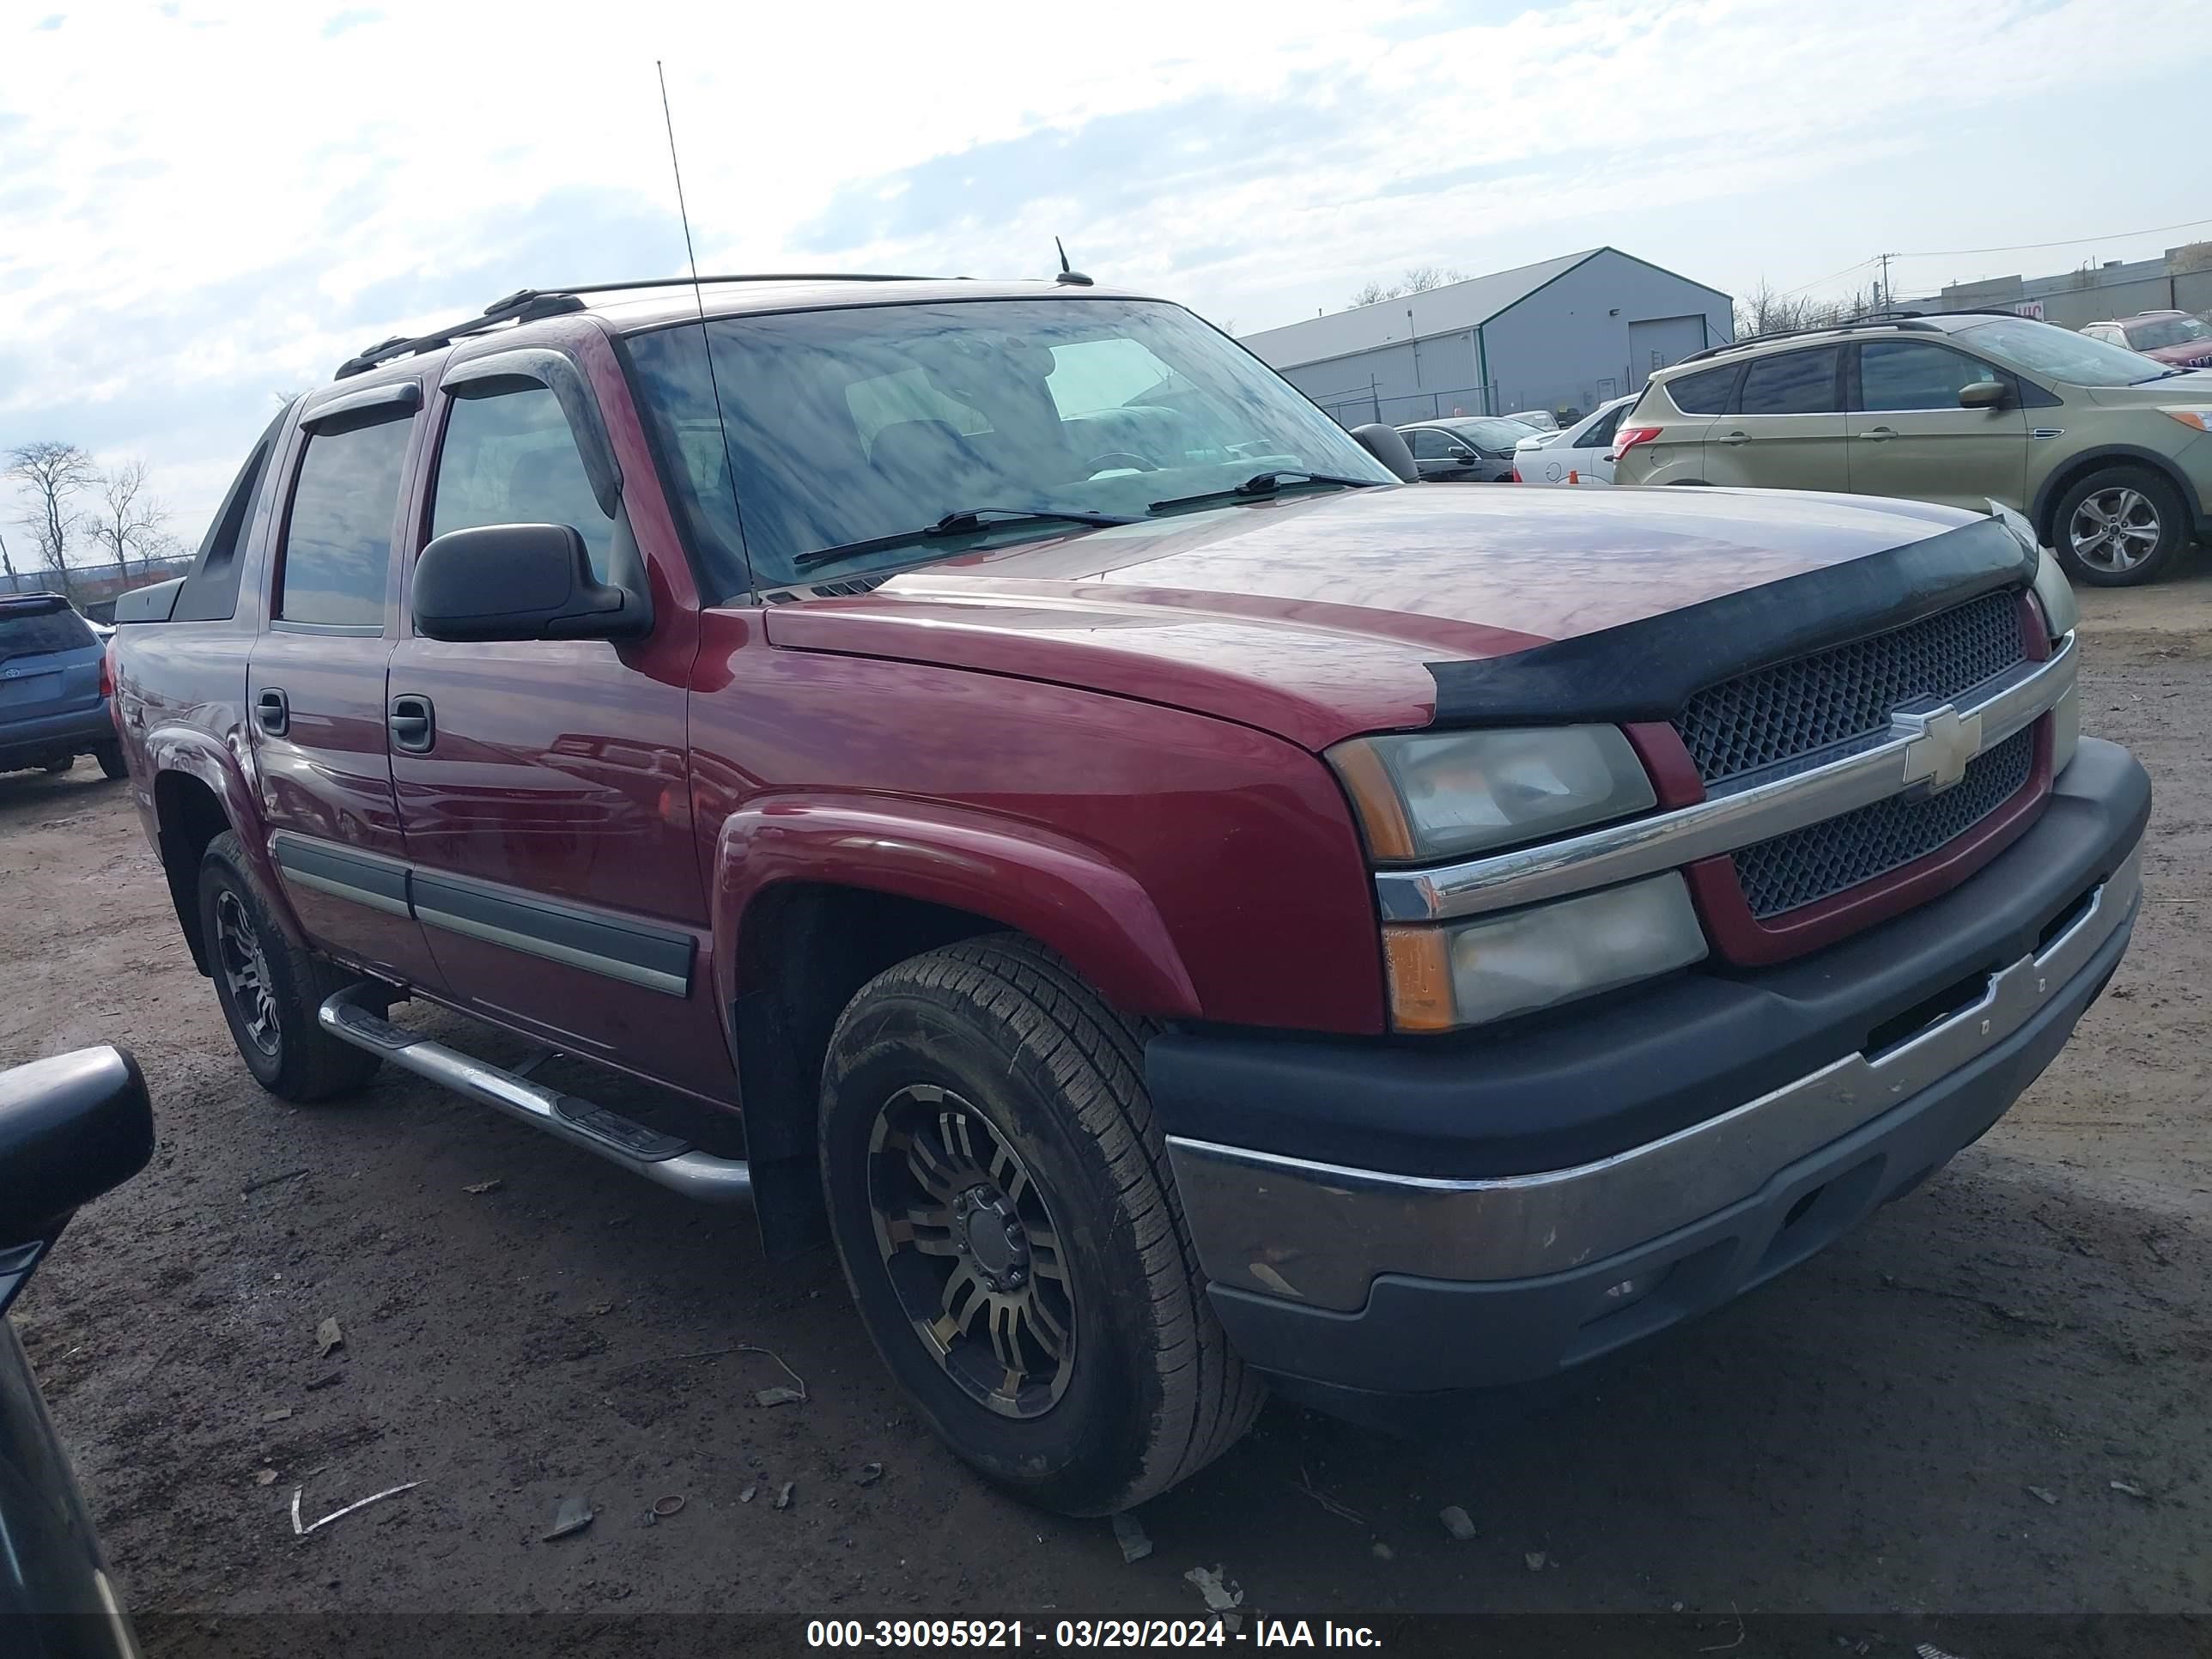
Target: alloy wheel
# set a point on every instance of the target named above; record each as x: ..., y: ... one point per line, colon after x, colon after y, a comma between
x: 2114, y: 529
x: 245, y: 969
x: 972, y: 1251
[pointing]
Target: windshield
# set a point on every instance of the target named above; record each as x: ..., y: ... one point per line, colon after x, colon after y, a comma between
x: 2046, y: 349
x: 33, y: 631
x: 2165, y: 331
x: 874, y: 421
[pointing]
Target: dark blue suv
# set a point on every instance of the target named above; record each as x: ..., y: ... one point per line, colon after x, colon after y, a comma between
x: 53, y: 688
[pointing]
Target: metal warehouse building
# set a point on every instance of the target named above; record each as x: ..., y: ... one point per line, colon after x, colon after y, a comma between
x: 1566, y: 333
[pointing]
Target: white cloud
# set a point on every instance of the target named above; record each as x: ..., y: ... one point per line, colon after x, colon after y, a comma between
x: 205, y: 202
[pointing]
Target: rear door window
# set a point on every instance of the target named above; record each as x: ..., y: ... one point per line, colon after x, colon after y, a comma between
x: 1428, y: 444
x: 1705, y: 392
x: 1909, y: 374
x: 337, y: 543
x: 1600, y: 433
x: 35, y: 630
x: 1790, y: 382
x: 512, y: 460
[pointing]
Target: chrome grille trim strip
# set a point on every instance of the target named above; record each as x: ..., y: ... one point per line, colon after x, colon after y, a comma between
x: 1926, y: 748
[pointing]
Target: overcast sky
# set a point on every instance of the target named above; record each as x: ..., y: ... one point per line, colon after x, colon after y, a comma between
x: 206, y: 202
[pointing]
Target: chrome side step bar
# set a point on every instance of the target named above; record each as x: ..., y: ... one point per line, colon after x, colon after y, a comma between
x: 674, y: 1163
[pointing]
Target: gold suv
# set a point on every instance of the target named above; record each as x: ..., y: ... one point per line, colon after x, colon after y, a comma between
x: 2107, y: 452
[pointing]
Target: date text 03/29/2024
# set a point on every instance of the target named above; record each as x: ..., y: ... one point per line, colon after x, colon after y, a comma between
x: 1068, y: 1633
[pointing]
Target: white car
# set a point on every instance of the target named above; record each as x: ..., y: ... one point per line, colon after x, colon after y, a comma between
x: 1581, y: 454
x: 1542, y: 419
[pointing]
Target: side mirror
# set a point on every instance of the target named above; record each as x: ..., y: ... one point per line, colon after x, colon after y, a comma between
x: 71, y: 1128
x: 518, y: 581
x: 1983, y: 394
x: 1389, y: 446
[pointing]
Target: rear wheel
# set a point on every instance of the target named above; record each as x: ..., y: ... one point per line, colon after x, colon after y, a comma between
x: 271, y: 989
x: 58, y: 764
x: 2119, y: 527
x: 998, y: 1190
x: 112, y: 763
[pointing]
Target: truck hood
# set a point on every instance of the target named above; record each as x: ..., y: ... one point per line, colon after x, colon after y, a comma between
x: 1315, y: 617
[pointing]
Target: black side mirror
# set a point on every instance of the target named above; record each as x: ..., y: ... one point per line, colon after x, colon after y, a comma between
x: 519, y: 581
x: 1983, y: 394
x: 71, y: 1128
x: 1388, y: 445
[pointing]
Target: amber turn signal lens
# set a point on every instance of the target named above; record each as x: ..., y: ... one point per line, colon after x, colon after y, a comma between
x: 1375, y: 800
x: 1418, y: 963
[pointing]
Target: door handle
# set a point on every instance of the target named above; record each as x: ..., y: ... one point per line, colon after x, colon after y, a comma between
x: 1737, y: 438
x: 272, y: 712
x: 413, y: 723
x: 1879, y: 435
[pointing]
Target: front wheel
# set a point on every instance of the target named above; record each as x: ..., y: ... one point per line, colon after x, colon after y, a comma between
x: 271, y: 989
x: 2119, y: 527
x: 998, y: 1190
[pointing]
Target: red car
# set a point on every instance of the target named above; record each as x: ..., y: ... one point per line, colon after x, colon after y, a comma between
x: 1177, y: 905
x: 2171, y: 337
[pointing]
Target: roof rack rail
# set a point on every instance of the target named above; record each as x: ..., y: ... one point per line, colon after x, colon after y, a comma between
x: 1871, y: 320
x: 527, y: 305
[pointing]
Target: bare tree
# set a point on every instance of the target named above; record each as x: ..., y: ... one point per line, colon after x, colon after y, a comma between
x: 7, y: 564
x: 1763, y: 311
x: 52, y: 473
x: 130, y: 516
x: 1419, y: 280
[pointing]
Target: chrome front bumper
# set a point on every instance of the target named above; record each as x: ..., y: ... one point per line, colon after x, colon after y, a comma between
x: 1319, y: 1233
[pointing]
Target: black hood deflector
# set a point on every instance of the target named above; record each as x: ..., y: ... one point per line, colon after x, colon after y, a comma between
x: 1648, y: 669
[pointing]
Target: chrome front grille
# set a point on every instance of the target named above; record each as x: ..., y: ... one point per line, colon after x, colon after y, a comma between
x: 1811, y: 703
x: 1822, y: 859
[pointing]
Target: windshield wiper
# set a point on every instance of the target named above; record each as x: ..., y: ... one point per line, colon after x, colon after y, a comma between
x: 954, y: 524
x: 1266, y: 484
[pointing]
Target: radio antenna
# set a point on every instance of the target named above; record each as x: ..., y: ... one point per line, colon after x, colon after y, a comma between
x: 699, y: 300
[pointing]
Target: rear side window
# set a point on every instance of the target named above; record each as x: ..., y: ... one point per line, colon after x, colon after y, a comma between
x: 29, y: 632
x: 1904, y: 375
x: 1704, y: 392
x: 512, y: 460
x: 1600, y: 435
x: 1430, y: 445
x: 1794, y: 383
x: 337, y: 546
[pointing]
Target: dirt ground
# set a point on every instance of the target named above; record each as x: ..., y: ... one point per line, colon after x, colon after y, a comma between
x: 1868, y: 1436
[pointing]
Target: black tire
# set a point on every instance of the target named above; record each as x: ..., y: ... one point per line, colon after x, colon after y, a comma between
x: 289, y: 1055
x: 1147, y: 1392
x: 57, y: 765
x: 112, y: 763
x: 2151, y: 527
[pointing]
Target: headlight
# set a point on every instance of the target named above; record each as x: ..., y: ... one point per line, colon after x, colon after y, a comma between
x: 2054, y: 595
x: 2065, y: 729
x: 1434, y: 795
x: 1498, y: 966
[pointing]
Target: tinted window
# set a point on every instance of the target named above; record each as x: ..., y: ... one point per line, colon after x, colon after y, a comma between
x: 1902, y: 375
x: 1431, y: 444
x: 32, y: 633
x: 512, y: 460
x: 1600, y: 434
x: 1702, y: 393
x: 1795, y: 383
x: 338, y: 545
x: 852, y: 425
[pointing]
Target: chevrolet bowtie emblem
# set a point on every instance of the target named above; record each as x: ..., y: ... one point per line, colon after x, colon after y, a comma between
x: 1942, y: 743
